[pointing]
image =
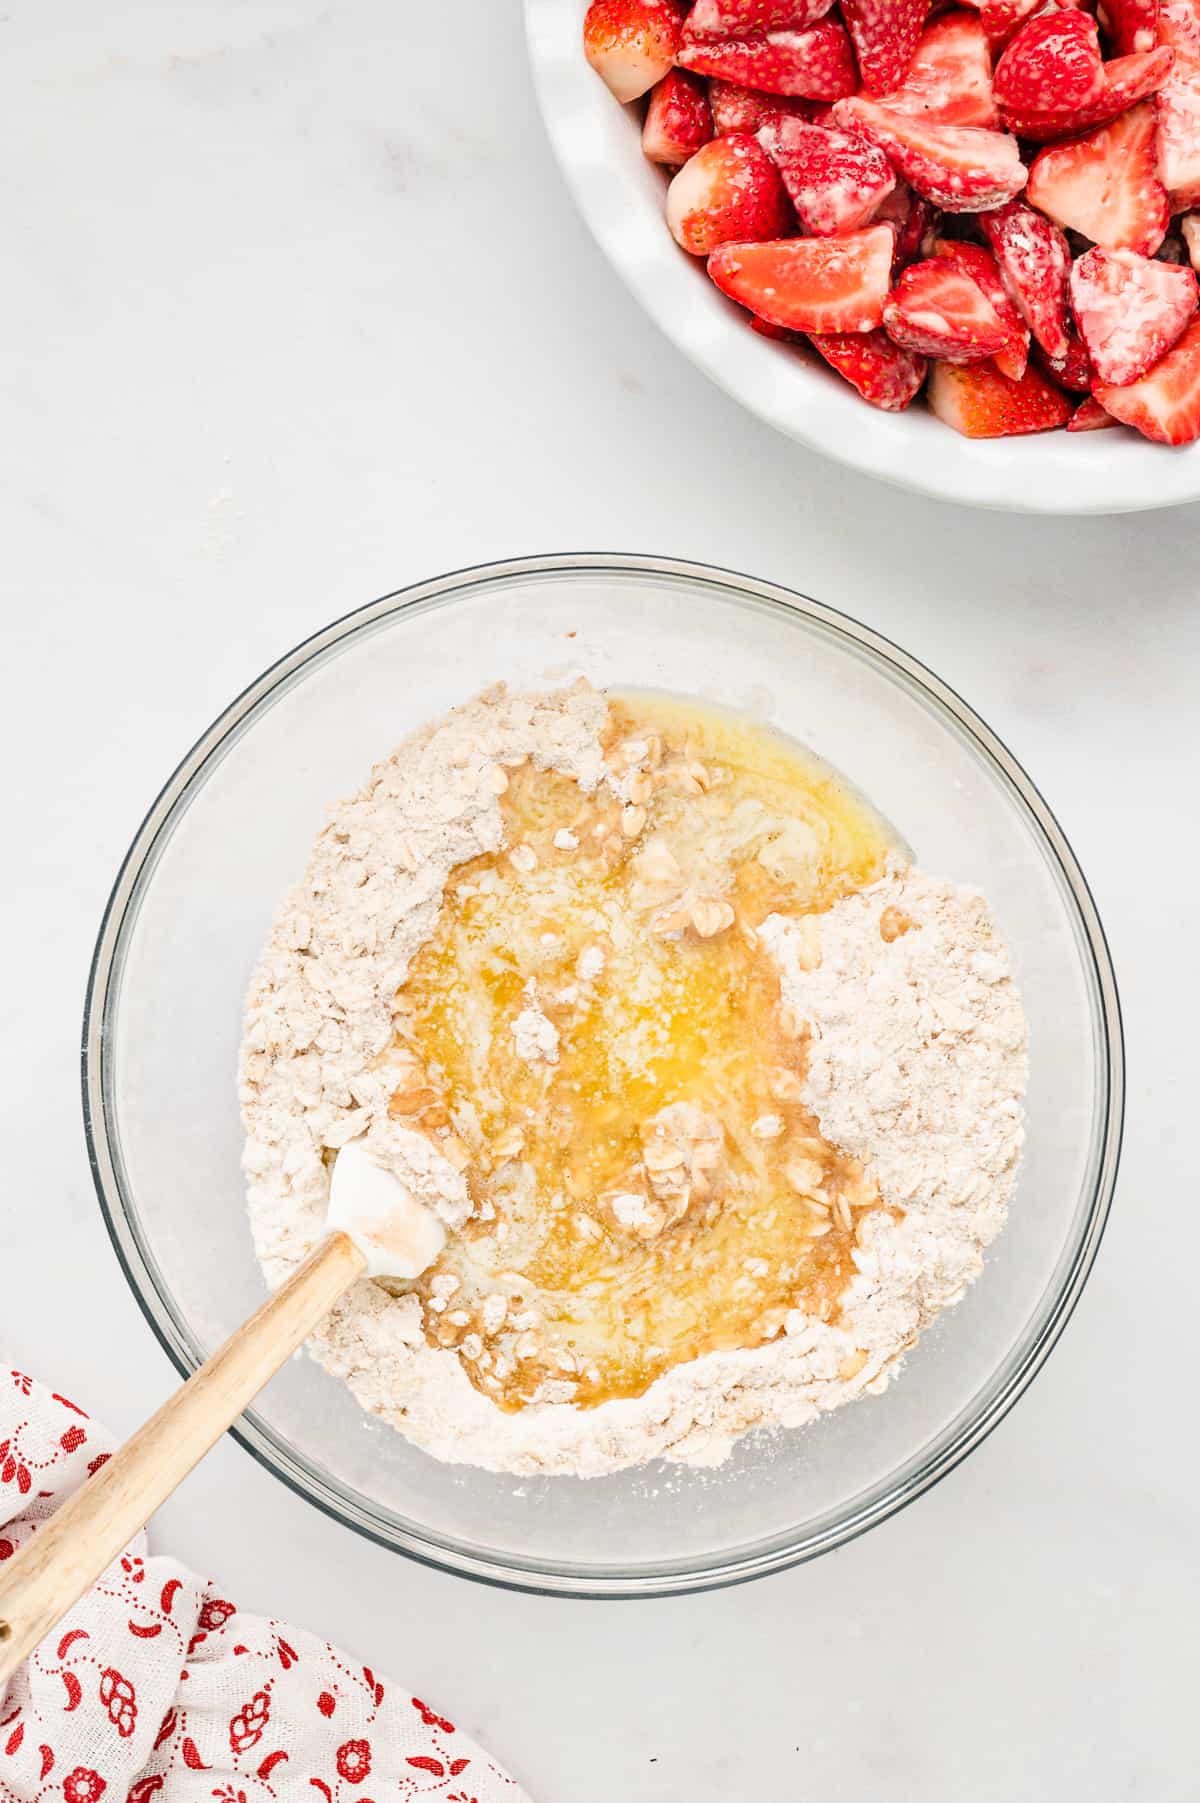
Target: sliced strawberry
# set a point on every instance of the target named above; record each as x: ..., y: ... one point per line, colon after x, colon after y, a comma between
x: 883, y: 374
x: 1090, y: 416
x: 979, y: 402
x: 1130, y: 26
x: 1190, y: 227
x: 817, y: 64
x: 1052, y: 65
x: 743, y: 18
x: 736, y: 109
x: 1164, y: 405
x: 810, y: 284
x: 1127, y: 79
x: 836, y: 179
x: 1073, y: 370
x: 1104, y: 185
x: 1001, y: 18
x: 937, y: 311
x: 1177, y: 105
x: 980, y: 265
x: 730, y: 190
x: 678, y: 119
x: 1033, y: 258
x: 961, y: 168
x: 1129, y: 310
x: 632, y: 43
x: 949, y: 81
x: 885, y: 34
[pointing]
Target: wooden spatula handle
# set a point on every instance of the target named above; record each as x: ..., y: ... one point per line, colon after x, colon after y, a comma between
x: 67, y: 1554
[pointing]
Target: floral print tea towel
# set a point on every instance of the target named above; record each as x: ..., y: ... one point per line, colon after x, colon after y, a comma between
x: 158, y: 1689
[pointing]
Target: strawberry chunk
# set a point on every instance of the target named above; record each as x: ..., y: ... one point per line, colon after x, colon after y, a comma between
x: 1052, y: 65
x: 730, y: 190
x: 1129, y: 310
x: 949, y: 81
x: 631, y: 44
x: 744, y: 18
x: 1090, y: 416
x: 1130, y: 26
x: 961, y: 168
x: 1177, y: 105
x: 810, y: 284
x: 979, y: 402
x: 979, y: 264
x: 1127, y: 79
x: 836, y: 179
x: 1104, y: 184
x: 1165, y: 404
x: 678, y: 119
x: 738, y: 109
x: 1033, y: 258
x: 884, y: 375
x: 816, y: 64
x: 885, y: 34
x: 938, y: 311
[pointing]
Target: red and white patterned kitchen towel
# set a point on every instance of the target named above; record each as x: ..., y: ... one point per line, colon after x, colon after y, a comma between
x: 156, y: 1686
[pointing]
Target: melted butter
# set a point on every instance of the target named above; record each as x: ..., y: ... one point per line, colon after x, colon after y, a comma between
x: 605, y: 924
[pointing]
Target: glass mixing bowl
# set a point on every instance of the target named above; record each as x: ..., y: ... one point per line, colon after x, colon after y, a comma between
x: 232, y: 829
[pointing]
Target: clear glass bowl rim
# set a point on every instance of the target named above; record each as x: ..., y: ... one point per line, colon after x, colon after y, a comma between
x: 285, y: 1461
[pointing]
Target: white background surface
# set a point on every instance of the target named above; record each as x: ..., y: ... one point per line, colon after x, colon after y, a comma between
x: 294, y: 310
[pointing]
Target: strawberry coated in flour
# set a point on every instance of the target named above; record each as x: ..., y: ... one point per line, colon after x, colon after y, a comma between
x: 996, y: 208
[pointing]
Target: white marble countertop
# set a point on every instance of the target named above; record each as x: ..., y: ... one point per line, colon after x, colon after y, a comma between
x: 295, y: 310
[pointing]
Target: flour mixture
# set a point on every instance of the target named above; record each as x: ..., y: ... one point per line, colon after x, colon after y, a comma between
x: 718, y: 1097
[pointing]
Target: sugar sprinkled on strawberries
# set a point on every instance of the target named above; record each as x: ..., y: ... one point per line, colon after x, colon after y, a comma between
x: 1164, y: 404
x: 961, y: 168
x: 815, y: 64
x: 837, y: 180
x: 1034, y: 259
x: 1130, y: 310
x: 852, y: 148
x: 885, y: 375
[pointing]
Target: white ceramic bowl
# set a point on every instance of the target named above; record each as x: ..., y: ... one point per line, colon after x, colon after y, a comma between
x: 620, y: 195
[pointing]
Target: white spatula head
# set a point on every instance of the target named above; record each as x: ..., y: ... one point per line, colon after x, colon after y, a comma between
x: 397, y: 1234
